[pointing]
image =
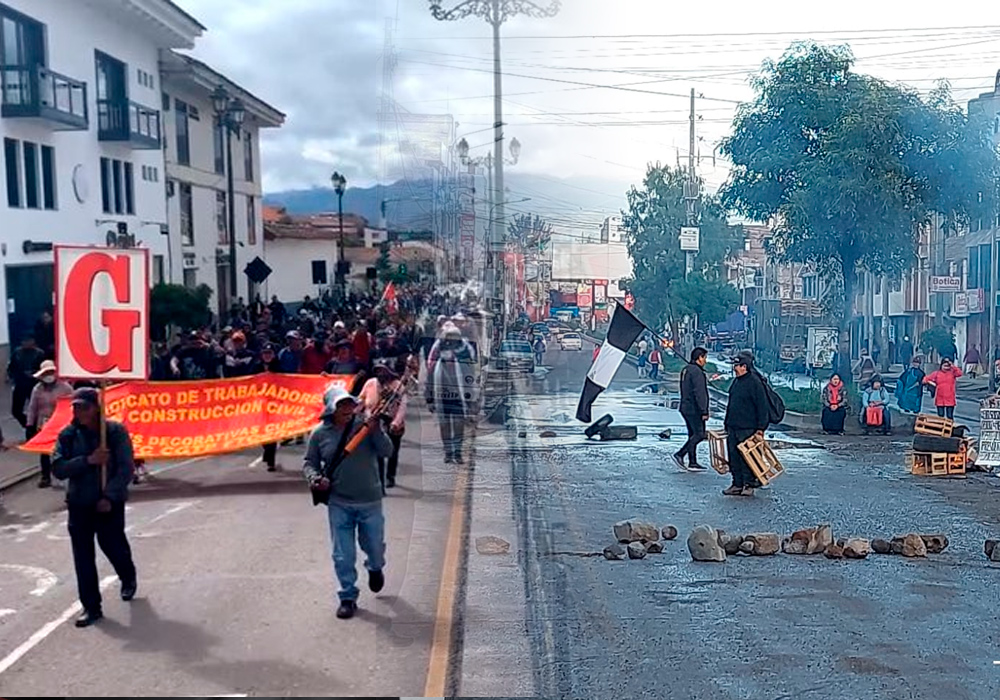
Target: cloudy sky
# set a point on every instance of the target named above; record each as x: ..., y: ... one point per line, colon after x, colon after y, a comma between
x: 321, y: 61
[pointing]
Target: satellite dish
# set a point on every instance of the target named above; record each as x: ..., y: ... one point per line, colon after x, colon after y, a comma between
x: 112, y: 239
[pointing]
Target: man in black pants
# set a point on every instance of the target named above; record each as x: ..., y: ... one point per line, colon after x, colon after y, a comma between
x: 694, y: 408
x: 746, y: 415
x: 96, y: 509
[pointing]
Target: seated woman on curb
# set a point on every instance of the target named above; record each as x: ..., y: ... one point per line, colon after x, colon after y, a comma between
x: 875, y: 401
x: 834, y: 406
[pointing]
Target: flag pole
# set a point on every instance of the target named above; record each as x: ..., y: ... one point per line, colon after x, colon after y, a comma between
x: 102, y: 384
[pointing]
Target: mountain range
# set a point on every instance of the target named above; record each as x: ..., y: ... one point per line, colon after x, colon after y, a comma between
x: 573, y: 203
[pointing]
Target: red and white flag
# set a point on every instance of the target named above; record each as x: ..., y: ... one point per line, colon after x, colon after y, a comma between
x: 389, y: 298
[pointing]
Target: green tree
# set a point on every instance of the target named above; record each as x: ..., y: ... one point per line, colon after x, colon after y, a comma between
x: 176, y: 305
x: 848, y: 167
x: 656, y: 212
x: 711, y: 300
x: 383, y: 265
x: 940, y: 340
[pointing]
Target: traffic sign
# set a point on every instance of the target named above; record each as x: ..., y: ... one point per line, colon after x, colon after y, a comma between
x: 102, y: 313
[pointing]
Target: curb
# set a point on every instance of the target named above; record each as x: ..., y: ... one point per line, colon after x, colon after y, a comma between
x: 20, y: 477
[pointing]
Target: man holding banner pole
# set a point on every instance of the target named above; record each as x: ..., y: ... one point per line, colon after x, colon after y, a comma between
x: 95, y: 456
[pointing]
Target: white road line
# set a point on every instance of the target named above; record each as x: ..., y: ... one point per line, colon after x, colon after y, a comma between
x: 40, y: 636
x: 6, y: 611
x: 44, y: 579
x: 170, y: 467
x: 176, y: 508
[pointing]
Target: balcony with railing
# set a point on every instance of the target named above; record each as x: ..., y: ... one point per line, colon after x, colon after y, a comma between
x: 124, y: 120
x: 35, y: 92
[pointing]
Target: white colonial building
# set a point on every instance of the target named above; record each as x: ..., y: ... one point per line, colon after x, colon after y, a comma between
x: 80, y: 123
x: 196, y: 179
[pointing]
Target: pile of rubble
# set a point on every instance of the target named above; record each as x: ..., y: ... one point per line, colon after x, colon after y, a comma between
x: 636, y: 538
x: 708, y: 544
x: 639, y: 539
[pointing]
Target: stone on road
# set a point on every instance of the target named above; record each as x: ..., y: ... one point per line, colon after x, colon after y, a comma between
x: 635, y: 531
x: 636, y: 550
x: 614, y: 552
x: 764, y: 543
x: 703, y: 543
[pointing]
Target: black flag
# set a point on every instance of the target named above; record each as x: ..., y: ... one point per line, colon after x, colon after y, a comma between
x: 624, y: 329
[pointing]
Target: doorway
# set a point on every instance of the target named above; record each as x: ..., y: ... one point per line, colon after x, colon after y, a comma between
x: 27, y: 298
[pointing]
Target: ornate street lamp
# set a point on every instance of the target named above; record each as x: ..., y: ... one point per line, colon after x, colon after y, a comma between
x: 230, y: 114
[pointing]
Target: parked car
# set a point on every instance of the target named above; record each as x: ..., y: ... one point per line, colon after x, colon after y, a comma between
x: 516, y: 356
x: 570, y: 341
x: 541, y: 329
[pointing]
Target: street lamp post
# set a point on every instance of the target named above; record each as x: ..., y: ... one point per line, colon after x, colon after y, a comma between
x: 495, y: 12
x: 340, y: 186
x: 230, y: 114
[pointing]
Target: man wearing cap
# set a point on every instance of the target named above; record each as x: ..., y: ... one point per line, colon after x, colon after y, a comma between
x: 290, y: 357
x: 96, y: 511
x: 445, y: 391
x: 354, y: 504
x: 746, y: 415
x: 240, y: 360
x: 41, y: 406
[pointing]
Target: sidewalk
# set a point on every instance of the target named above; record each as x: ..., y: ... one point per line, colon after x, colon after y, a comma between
x: 15, y: 466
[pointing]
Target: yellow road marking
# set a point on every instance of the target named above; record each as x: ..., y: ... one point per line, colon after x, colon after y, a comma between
x: 441, y: 647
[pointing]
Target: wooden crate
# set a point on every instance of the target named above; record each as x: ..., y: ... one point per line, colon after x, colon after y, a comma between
x: 919, y: 463
x: 718, y: 454
x: 933, y: 425
x: 761, y: 458
x: 957, y: 462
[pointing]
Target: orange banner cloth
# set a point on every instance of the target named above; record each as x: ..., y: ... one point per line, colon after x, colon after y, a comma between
x: 191, y: 419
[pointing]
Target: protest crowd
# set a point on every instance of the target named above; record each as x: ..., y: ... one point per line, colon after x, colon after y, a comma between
x: 389, y: 346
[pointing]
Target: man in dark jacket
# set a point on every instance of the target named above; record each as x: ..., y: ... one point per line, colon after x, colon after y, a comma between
x: 746, y: 415
x: 96, y: 509
x: 26, y: 361
x: 694, y: 408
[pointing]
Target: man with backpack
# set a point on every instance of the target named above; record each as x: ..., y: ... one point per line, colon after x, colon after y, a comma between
x: 748, y: 413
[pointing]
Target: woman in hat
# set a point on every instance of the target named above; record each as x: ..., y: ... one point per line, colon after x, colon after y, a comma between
x: 386, y: 380
x: 41, y: 406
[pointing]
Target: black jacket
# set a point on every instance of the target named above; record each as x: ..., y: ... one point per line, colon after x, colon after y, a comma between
x: 747, y: 409
x: 694, y: 391
x: 69, y: 461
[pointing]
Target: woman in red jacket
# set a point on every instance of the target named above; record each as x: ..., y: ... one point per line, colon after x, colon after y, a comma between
x: 943, y: 381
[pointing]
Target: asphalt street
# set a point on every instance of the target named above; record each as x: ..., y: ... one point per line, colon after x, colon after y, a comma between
x: 236, y: 588
x: 769, y: 627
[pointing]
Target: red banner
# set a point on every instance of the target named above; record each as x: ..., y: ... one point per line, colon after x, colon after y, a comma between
x: 190, y: 419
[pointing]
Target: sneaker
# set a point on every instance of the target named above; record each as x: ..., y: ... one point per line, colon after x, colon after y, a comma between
x: 88, y: 618
x: 272, y: 467
x: 679, y: 462
x: 697, y: 467
x: 390, y: 483
x: 459, y: 459
x: 44, y: 483
x: 376, y: 581
x: 747, y: 491
x: 347, y: 609
x: 128, y: 590
x: 733, y: 491
x: 449, y: 459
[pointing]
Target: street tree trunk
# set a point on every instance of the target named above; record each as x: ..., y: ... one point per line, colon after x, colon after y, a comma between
x: 844, y: 324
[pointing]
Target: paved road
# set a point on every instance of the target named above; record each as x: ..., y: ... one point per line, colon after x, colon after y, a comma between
x: 778, y: 627
x: 236, y: 592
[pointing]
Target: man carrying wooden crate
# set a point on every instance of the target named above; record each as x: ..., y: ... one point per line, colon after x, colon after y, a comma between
x: 746, y: 414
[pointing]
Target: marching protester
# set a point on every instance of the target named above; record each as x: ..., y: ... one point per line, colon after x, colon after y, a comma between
x: 41, y: 406
x: 942, y: 382
x: 445, y: 391
x: 910, y: 387
x: 96, y: 509
x: 350, y: 486
x: 835, y: 402
x: 239, y: 361
x: 269, y: 363
x: 694, y: 408
x: 388, y: 374
x: 25, y: 362
x: 746, y: 415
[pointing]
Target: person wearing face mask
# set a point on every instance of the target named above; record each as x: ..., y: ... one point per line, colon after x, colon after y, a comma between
x: 943, y: 382
x: 41, y: 406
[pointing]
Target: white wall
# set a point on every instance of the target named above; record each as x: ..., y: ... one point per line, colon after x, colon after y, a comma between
x: 205, y: 184
x: 73, y: 31
x: 291, y: 259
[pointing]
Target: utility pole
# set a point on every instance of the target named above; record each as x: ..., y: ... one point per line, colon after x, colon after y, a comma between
x: 991, y: 301
x: 691, y: 191
x: 496, y: 12
x: 886, y: 358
